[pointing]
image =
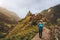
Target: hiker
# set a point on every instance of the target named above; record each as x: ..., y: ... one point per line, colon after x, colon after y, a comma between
x: 40, y: 26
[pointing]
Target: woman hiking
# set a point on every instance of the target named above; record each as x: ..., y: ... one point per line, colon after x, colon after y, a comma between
x: 40, y: 26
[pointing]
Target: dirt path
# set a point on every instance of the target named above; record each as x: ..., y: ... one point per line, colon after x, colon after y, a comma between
x: 45, y: 36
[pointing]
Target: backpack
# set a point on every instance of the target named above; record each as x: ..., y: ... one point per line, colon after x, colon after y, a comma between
x: 40, y: 25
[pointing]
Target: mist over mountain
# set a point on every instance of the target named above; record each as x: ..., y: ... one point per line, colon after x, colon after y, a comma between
x: 8, y: 20
x: 9, y: 14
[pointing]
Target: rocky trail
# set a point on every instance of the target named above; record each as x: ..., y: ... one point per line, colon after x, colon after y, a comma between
x: 45, y: 35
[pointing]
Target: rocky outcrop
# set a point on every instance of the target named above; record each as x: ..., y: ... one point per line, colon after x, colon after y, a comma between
x: 55, y: 34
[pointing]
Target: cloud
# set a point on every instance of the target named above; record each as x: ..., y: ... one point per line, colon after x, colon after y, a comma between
x: 21, y: 7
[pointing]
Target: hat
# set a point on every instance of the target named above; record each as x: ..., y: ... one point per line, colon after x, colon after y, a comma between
x: 41, y: 20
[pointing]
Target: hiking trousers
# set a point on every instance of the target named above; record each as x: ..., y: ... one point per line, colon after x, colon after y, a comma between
x: 40, y: 32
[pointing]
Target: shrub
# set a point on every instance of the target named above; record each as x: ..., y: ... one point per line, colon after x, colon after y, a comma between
x: 58, y: 20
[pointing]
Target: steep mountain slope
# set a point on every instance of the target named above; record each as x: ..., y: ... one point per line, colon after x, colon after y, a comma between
x: 25, y: 29
x: 52, y: 14
x: 8, y: 20
x: 9, y: 14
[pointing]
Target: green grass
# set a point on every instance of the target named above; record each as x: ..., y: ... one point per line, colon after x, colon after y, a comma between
x: 18, y: 34
x: 27, y: 34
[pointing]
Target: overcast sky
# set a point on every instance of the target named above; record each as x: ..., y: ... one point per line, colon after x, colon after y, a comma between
x: 21, y: 7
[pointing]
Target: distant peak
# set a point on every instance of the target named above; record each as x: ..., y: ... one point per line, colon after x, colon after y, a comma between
x: 29, y: 13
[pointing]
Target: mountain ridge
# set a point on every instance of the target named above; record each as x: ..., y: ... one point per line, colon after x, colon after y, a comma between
x: 9, y: 14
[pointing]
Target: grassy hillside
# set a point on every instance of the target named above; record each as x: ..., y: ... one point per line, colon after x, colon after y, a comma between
x: 8, y: 20
x: 25, y: 29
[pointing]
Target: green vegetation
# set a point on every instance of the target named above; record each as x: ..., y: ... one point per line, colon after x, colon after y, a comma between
x: 58, y: 21
x: 8, y: 21
x: 26, y: 34
x: 24, y: 30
